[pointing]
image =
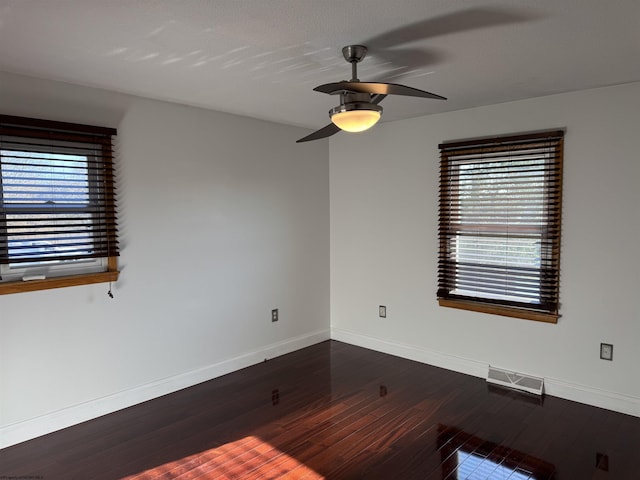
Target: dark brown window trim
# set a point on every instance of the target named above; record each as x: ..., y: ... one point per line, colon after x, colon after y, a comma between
x: 111, y: 275
x: 54, y: 125
x: 500, y: 310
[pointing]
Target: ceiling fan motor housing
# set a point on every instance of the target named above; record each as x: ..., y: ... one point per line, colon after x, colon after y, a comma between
x: 350, y: 97
x: 355, y: 101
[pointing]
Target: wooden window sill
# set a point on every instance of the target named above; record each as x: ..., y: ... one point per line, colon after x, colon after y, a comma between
x: 500, y: 310
x: 58, y: 282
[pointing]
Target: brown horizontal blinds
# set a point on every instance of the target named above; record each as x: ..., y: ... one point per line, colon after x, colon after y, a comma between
x: 57, y: 192
x: 499, y: 223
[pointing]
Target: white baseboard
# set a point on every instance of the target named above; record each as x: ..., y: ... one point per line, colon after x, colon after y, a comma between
x: 430, y: 357
x: 35, y: 427
x: 593, y: 396
x: 552, y: 386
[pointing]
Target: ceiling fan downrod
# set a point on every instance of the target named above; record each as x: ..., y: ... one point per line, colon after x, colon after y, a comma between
x: 354, y: 54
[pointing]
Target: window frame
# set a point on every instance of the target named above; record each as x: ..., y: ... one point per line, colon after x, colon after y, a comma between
x: 61, y: 135
x: 448, y: 266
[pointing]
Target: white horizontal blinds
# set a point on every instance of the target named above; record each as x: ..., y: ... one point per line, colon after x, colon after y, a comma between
x: 499, y: 223
x: 57, y: 192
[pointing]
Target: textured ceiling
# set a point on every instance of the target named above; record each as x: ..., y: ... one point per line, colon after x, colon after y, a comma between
x: 262, y: 58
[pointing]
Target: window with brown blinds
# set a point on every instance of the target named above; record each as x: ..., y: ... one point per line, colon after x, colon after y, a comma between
x: 499, y: 225
x: 57, y: 206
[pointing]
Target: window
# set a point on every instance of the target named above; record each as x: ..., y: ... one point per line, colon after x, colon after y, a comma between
x: 57, y: 207
x: 499, y: 227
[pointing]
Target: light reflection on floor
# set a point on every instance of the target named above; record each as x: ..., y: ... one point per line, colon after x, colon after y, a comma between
x: 244, y: 458
x: 475, y: 467
x: 470, y: 457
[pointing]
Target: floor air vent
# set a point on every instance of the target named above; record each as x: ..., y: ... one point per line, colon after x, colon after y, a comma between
x: 515, y: 380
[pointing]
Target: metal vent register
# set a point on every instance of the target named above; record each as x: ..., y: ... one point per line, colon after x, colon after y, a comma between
x: 515, y: 380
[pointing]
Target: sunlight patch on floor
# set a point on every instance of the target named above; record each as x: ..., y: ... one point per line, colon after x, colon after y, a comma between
x: 246, y: 458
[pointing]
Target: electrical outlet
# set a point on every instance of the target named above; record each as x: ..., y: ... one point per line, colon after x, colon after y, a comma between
x: 606, y: 351
x: 274, y: 315
x: 382, y: 311
x: 602, y: 462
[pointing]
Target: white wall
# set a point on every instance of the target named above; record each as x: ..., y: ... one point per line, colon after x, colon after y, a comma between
x: 222, y: 218
x: 384, y: 195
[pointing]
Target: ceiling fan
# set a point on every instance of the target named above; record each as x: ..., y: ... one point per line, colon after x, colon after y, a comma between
x: 359, y: 107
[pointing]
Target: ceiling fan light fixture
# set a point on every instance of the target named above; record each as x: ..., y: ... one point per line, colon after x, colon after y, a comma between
x: 359, y: 110
x: 355, y: 116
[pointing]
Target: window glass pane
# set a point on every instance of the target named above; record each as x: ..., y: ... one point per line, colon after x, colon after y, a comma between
x: 44, y: 198
x: 44, y: 178
x: 499, y: 194
x: 508, y: 266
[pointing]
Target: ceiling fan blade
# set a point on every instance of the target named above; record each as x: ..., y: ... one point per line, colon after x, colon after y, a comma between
x: 376, y: 89
x: 450, y: 23
x: 331, y: 87
x: 324, y: 132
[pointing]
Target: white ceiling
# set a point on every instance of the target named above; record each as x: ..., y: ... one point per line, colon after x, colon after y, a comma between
x: 262, y: 58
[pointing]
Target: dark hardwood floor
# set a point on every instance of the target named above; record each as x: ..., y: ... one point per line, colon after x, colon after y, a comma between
x: 340, y: 412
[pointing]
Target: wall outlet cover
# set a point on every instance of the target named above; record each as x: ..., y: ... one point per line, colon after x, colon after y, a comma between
x: 382, y: 311
x: 606, y: 351
x: 602, y: 462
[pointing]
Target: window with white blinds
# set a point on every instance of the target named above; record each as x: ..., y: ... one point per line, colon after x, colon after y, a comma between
x: 57, y: 208
x: 499, y: 225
